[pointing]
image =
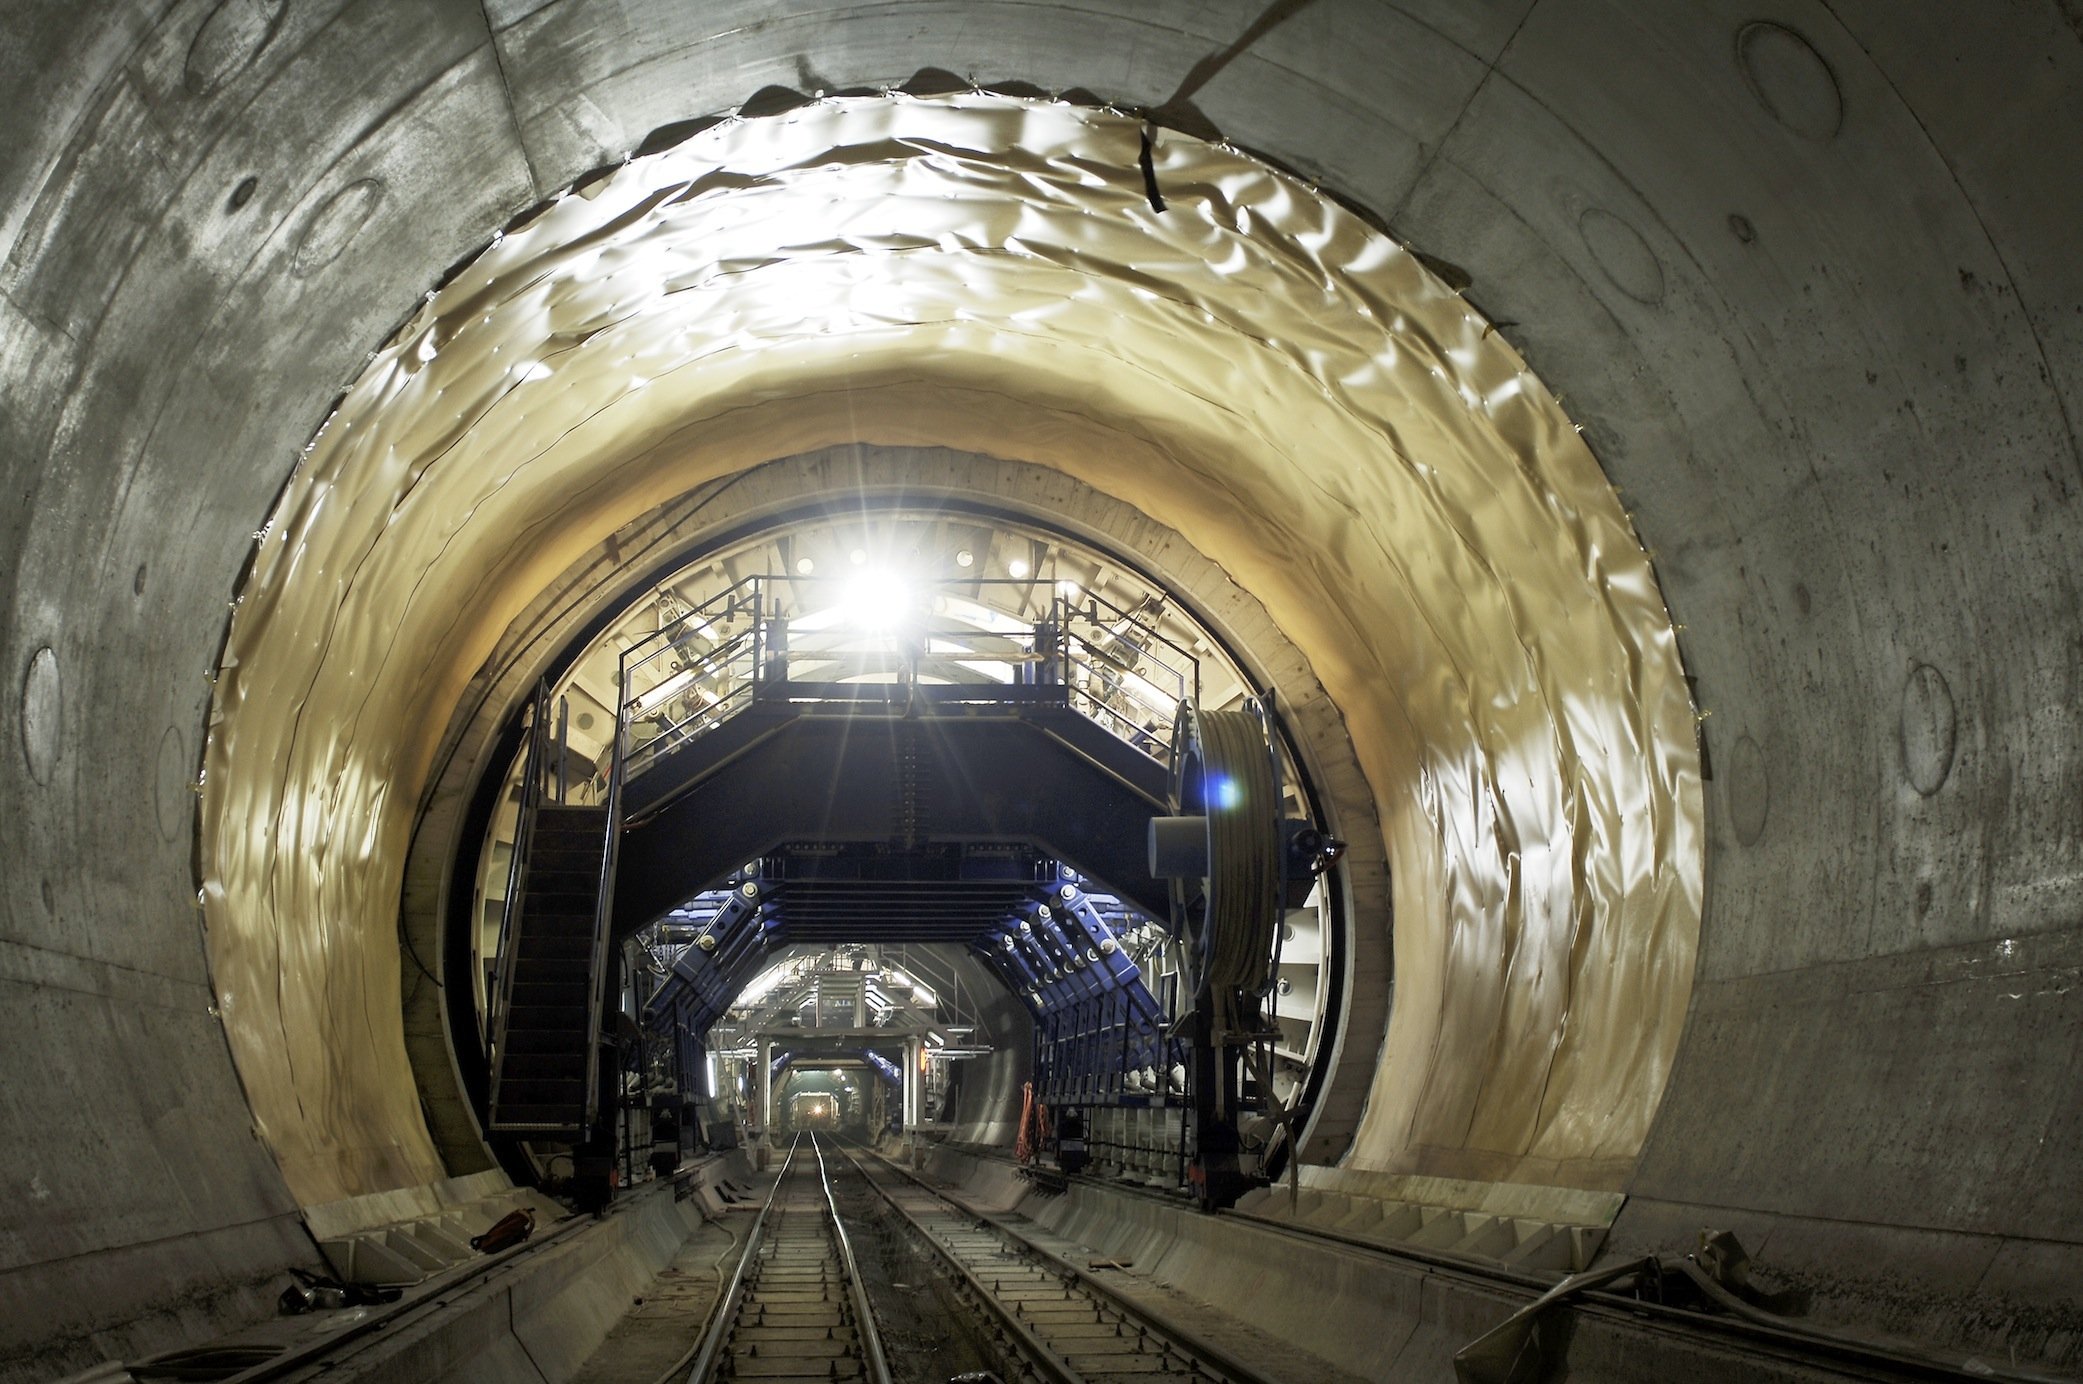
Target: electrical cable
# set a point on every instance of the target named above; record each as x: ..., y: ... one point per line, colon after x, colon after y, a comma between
x: 1243, y: 863
x: 678, y: 1369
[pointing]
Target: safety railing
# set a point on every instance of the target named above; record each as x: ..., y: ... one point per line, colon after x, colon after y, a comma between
x: 955, y: 1008
x: 688, y: 678
x: 534, y: 751
x: 769, y: 637
x: 1126, y: 675
x: 603, y: 911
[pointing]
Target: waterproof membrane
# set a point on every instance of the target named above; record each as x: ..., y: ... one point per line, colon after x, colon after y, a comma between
x: 1252, y: 366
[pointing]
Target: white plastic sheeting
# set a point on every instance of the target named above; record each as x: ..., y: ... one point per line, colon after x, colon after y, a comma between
x: 1252, y: 366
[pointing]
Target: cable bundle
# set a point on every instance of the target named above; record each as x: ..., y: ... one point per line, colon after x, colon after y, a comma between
x: 1242, y: 804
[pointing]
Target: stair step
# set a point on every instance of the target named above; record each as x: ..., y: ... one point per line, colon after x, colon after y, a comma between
x: 548, y: 1018
x: 555, y: 902
x: 564, y: 951
x: 560, y: 877
x: 566, y: 1099
x: 559, y: 905
x: 588, y: 835
x: 573, y: 858
x: 555, y: 1070
x: 540, y: 1088
x: 546, y: 1119
x: 557, y: 924
x: 549, y: 994
x: 595, y: 831
x: 556, y: 920
x: 572, y: 867
x: 556, y: 928
x: 528, y: 1042
x: 549, y: 976
x: 567, y: 852
x: 552, y: 963
x: 563, y: 812
x: 533, y: 1044
x: 565, y: 1064
x: 577, y: 857
x: 532, y: 1007
x: 555, y: 956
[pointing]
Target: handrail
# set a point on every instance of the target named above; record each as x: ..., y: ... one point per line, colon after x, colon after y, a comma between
x: 727, y: 1305
x: 728, y: 598
x: 1130, y: 667
x: 719, y: 650
x: 603, y: 914
x: 863, y: 1312
x: 1189, y: 673
x: 516, y: 874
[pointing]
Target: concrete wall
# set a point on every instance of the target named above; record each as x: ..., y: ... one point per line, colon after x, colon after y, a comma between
x: 1806, y: 273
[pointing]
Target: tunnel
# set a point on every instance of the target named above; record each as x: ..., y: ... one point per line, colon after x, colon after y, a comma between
x: 1624, y: 457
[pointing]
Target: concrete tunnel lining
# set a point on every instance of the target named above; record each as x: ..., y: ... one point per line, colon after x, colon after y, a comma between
x: 1256, y: 368
x: 1848, y: 425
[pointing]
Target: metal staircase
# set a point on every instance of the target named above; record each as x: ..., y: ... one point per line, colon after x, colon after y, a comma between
x: 870, y: 732
x: 553, y: 955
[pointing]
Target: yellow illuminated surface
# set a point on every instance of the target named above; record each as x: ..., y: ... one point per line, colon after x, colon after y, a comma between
x: 1253, y: 367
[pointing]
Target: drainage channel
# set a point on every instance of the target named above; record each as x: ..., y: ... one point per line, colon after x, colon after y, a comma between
x: 1046, y: 1320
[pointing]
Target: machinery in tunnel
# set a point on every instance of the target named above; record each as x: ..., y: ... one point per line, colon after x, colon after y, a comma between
x: 1007, y: 765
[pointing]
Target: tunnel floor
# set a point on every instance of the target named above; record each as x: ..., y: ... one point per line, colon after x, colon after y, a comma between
x: 1011, y: 1290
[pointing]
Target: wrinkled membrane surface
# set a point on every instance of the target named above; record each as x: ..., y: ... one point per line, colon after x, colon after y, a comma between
x: 1253, y: 366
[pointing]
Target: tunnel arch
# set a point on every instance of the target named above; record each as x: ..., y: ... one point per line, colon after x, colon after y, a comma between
x: 1840, y: 556
x: 1423, y: 522
x: 866, y: 484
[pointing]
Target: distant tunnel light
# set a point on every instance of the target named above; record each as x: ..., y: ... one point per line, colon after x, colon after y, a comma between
x: 876, y: 601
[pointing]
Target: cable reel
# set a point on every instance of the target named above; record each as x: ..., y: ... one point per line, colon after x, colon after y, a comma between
x: 1222, y: 849
x: 1235, y: 862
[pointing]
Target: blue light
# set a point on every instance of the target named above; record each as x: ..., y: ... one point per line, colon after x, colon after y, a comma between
x: 1227, y: 794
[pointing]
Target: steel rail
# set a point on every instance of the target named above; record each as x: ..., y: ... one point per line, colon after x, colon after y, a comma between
x: 863, y: 1311
x: 1046, y: 1361
x: 1222, y: 1359
x: 1204, y: 1355
x: 728, y: 1303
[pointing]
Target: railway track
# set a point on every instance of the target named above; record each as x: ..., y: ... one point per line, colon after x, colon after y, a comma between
x: 796, y: 1308
x: 1050, y: 1321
